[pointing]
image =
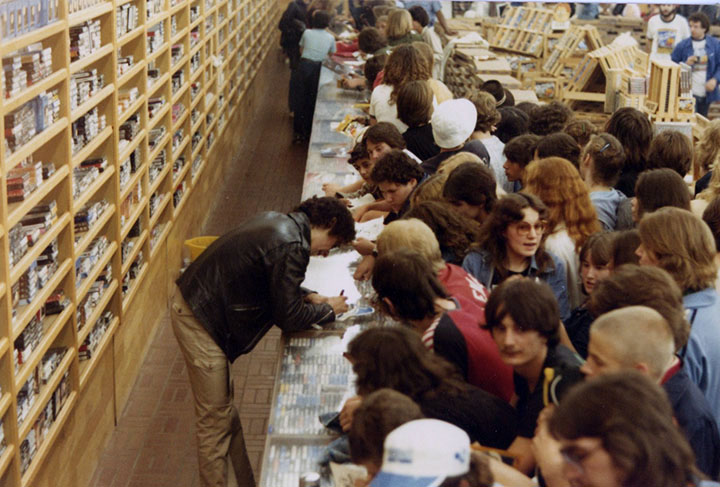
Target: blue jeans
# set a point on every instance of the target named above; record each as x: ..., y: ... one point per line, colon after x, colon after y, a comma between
x: 701, y: 105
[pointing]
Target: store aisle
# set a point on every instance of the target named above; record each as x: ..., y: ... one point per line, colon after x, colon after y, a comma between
x: 154, y: 444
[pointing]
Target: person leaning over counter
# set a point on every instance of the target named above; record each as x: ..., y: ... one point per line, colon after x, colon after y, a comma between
x: 246, y: 281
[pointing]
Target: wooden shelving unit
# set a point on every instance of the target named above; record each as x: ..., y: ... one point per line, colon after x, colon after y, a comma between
x: 202, y: 67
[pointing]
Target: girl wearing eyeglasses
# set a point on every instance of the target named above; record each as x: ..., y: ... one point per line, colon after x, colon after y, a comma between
x: 511, y: 244
x: 571, y: 215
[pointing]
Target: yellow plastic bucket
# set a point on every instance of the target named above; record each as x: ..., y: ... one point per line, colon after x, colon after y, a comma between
x: 197, y: 245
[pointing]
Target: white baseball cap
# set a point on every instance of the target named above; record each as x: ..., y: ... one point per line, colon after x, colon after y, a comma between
x: 423, y: 453
x: 453, y: 122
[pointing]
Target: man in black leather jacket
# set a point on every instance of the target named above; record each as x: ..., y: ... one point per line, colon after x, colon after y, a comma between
x: 246, y: 281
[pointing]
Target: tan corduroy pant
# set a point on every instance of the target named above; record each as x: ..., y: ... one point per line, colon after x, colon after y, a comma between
x: 222, y: 454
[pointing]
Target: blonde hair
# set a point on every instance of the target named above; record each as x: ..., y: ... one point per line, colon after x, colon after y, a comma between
x: 426, y: 51
x: 648, y: 340
x: 558, y: 184
x: 448, y: 165
x: 399, y: 24
x: 713, y: 189
x: 708, y: 148
x: 411, y: 234
x: 683, y: 245
x: 429, y: 190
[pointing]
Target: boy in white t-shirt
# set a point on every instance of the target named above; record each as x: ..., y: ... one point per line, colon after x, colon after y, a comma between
x: 666, y: 30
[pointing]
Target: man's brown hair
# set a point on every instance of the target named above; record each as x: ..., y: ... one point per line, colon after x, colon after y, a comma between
x: 671, y: 149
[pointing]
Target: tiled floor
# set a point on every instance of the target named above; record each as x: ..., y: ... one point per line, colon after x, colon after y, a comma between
x: 154, y: 442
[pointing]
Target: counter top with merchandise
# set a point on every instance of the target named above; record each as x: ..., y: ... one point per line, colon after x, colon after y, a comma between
x: 314, y: 378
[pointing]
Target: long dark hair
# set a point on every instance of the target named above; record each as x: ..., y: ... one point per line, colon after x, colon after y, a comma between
x: 395, y: 358
x: 455, y: 233
x: 507, y: 210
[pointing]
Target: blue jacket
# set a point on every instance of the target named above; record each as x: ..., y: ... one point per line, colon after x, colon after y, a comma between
x: 702, y: 353
x: 479, y: 264
x: 684, y: 50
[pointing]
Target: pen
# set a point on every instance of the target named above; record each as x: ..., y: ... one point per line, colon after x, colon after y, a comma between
x: 342, y: 293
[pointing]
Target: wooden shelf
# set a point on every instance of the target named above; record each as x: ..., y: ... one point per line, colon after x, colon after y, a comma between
x: 35, y: 143
x: 177, y: 153
x: 131, y: 146
x: 176, y: 96
x: 137, y: 246
x: 34, y: 252
x: 152, y: 122
x: 86, y: 61
x: 137, y: 68
x: 5, y: 402
x: 87, y: 151
x: 137, y: 211
x: 6, y: 458
x: 158, y: 147
x: 87, y: 367
x: 26, y: 312
x: 46, y: 393
x: 159, y: 241
x: 91, y: 102
x: 11, y: 45
x: 34, y: 90
x: 134, y: 287
x: 97, y: 311
x: 166, y: 197
x: 183, y: 200
x: 125, y: 191
x: 128, y: 36
x: 42, y: 452
x: 51, y: 329
x: 134, y: 108
x: 85, y: 284
x: 89, y: 13
x: 155, y: 183
x: 95, y: 229
x: 94, y: 187
x: 18, y: 210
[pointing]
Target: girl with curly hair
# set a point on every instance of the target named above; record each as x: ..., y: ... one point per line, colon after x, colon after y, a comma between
x: 571, y: 215
x: 404, y: 64
x: 512, y: 243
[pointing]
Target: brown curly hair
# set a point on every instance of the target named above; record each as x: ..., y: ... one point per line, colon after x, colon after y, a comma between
x: 405, y: 64
x: 581, y: 130
x: 455, y: 233
x: 708, y: 147
x: 558, y: 184
x: 550, y: 118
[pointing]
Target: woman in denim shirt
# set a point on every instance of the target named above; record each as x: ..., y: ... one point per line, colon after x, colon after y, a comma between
x: 511, y: 243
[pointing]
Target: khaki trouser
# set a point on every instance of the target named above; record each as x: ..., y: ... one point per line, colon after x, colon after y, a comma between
x: 219, y: 432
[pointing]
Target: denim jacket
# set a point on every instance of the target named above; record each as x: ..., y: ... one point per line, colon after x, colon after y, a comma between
x: 479, y: 264
x: 684, y: 50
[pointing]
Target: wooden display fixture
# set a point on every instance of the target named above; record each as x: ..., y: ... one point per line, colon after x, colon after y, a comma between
x: 577, y: 41
x: 523, y: 30
x: 240, y: 34
x: 665, y: 101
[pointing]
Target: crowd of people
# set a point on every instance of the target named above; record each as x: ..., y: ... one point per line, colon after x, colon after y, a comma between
x: 556, y: 282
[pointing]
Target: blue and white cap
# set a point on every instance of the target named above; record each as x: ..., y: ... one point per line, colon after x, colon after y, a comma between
x: 423, y: 453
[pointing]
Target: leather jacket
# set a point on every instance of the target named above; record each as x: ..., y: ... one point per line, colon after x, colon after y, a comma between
x: 249, y: 279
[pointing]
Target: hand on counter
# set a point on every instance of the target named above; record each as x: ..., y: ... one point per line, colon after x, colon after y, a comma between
x: 348, y: 412
x: 363, y: 246
x: 338, y: 303
x: 331, y: 189
x: 365, y: 268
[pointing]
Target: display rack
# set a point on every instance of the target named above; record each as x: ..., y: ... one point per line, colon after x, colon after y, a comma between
x: 111, y: 111
x: 523, y: 30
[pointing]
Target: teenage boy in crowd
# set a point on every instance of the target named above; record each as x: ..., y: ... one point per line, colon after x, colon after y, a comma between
x: 246, y: 281
x: 702, y: 52
x: 666, y: 30
x: 648, y: 346
x: 397, y: 176
x: 523, y: 318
